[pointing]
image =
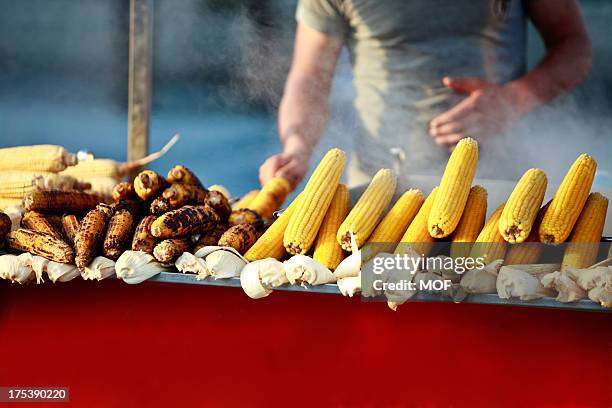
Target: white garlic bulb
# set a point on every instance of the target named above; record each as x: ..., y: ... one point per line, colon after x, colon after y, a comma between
x: 137, y: 266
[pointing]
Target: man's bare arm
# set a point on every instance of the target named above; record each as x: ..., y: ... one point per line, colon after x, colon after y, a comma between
x: 304, y: 107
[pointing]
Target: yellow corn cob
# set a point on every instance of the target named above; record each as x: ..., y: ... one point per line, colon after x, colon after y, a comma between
x: 390, y: 230
x: 581, y: 252
x: 35, y: 221
x: 490, y: 245
x: 529, y: 251
x: 470, y: 224
x: 271, y: 197
x: 9, y: 202
x: 522, y: 206
x: 48, y: 158
x: 568, y: 201
x: 17, y: 184
x: 327, y: 250
x: 417, y: 236
x: 102, y: 186
x: 454, y: 189
x: 246, y: 200
x: 96, y: 168
x: 270, y: 244
x: 38, y: 243
x: 316, y: 198
x: 369, y: 209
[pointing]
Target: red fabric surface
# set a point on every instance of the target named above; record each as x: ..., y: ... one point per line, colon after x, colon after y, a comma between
x: 171, y: 345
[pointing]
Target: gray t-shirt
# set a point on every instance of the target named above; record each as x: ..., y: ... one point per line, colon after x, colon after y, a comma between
x: 401, y: 49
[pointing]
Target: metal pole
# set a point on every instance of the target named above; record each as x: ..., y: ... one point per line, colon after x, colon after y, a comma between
x: 139, y: 81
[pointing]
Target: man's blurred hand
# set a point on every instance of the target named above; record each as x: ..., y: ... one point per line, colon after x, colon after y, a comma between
x: 292, y: 166
x: 487, y: 111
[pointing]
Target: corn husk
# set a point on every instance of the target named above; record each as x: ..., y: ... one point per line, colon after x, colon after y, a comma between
x: 601, y: 295
x: 16, y: 269
x: 137, y: 266
x: 350, y: 285
x: 99, y: 269
x: 60, y: 272
x: 303, y: 270
x: 564, y: 285
x: 351, y: 265
x: 189, y: 263
x: 513, y: 281
x: 482, y: 280
x: 223, y: 262
x: 259, y: 278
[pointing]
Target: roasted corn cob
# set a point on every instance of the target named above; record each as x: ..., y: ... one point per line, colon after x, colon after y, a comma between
x: 60, y: 201
x: 454, y: 189
x: 210, y: 238
x: 118, y: 234
x: 222, y: 189
x: 168, y: 250
x: 38, y: 243
x: 369, y: 209
x: 581, y: 252
x: 70, y: 226
x: 5, y: 226
x: 49, y: 158
x: 124, y: 191
x: 522, y: 206
x: 136, y: 207
x: 312, y: 207
x: 568, y: 201
x: 36, y: 221
x: 91, y: 233
x: 529, y: 251
x: 159, y: 206
x: 246, y: 200
x: 240, y: 237
x: 96, y: 168
x: 245, y: 216
x: 219, y: 203
x: 148, y: 183
x: 417, y: 236
x: 181, y: 174
x: 179, y: 195
x: 470, y: 224
x: 270, y: 244
x: 143, y: 239
x: 328, y: 251
x: 490, y: 245
x: 186, y: 220
x: 271, y: 197
x: 17, y: 184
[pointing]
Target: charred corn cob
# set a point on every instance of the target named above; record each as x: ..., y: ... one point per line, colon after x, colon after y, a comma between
x: 581, y: 252
x: 96, y: 168
x: 60, y: 201
x: 417, y: 236
x: 36, y: 221
x: 17, y: 184
x: 118, y: 234
x: 5, y: 226
x: 271, y: 197
x: 368, y: 211
x: 89, y: 238
x: 568, y: 201
x: 529, y: 251
x: 186, y: 220
x: 178, y: 195
x: 38, y: 243
x: 210, y: 238
x: 315, y: 200
x: 221, y: 189
x: 124, y: 191
x: 490, y: 245
x: 167, y: 251
x: 49, y: 158
x: 181, y: 174
x: 522, y: 207
x: 70, y: 225
x: 328, y: 251
x: 240, y: 237
x: 148, y: 183
x: 219, y: 203
x: 143, y: 239
x: 270, y: 244
x: 246, y: 200
x: 454, y: 189
x: 245, y: 216
x: 136, y: 207
x: 159, y: 206
x: 470, y: 224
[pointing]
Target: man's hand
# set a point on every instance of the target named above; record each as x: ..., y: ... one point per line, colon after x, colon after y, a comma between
x: 487, y: 111
x: 291, y: 166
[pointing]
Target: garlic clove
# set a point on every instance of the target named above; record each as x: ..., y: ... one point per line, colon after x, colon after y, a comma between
x: 250, y: 280
x: 350, y: 285
x: 568, y: 290
x: 302, y: 270
x: 137, y: 266
x: 514, y: 282
x: 224, y: 263
x: 189, y: 263
x: 61, y: 272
